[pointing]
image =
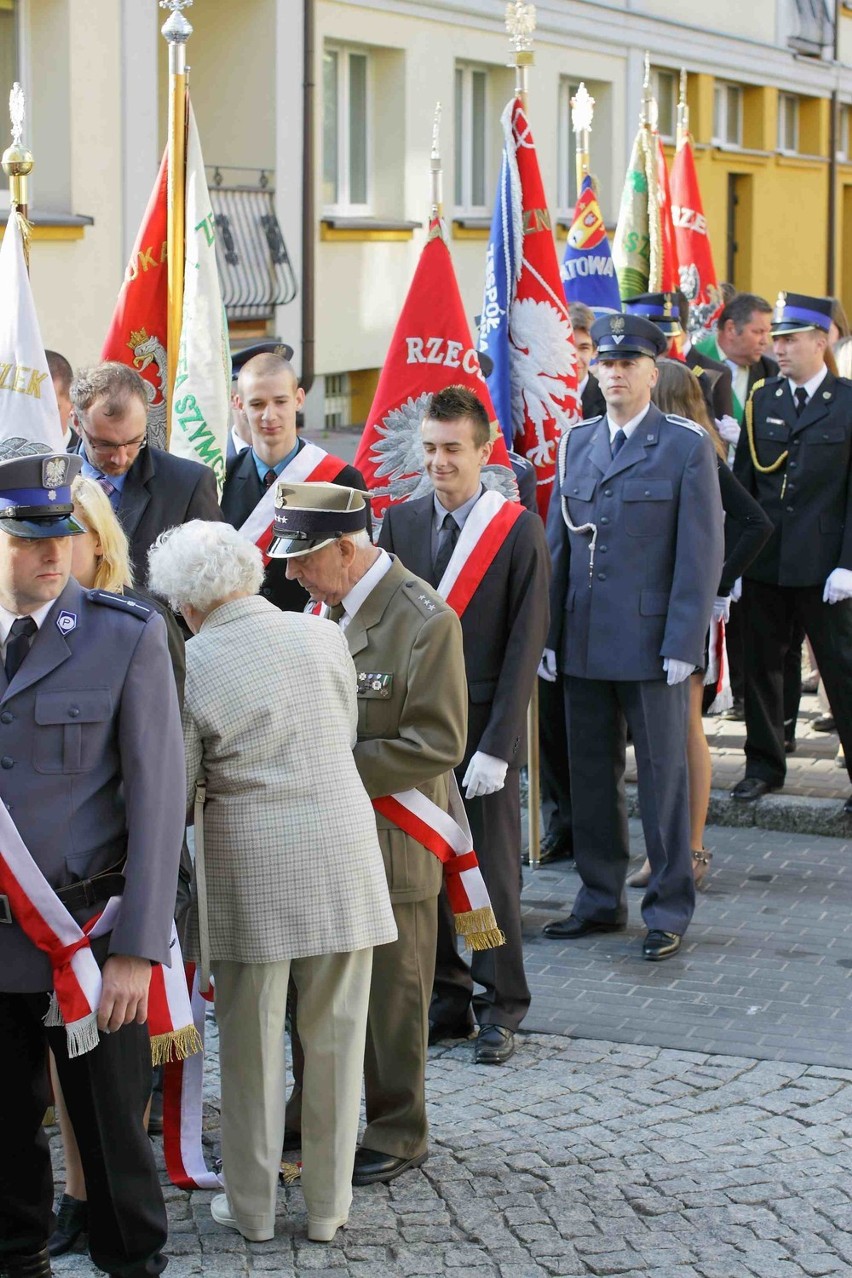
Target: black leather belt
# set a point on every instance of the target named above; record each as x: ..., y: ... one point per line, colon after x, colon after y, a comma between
x: 78, y: 896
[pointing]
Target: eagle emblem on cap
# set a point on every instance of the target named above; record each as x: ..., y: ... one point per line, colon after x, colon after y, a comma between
x: 780, y: 303
x: 616, y: 325
x: 54, y: 471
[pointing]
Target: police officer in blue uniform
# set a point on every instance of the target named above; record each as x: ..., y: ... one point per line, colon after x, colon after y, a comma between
x: 795, y: 457
x: 635, y: 532
x: 92, y: 774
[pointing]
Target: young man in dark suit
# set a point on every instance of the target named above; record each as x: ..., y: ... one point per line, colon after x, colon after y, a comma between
x: 504, y: 626
x: 269, y: 395
x: 150, y: 490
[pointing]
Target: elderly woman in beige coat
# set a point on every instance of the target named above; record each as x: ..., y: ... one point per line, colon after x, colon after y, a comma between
x: 294, y: 878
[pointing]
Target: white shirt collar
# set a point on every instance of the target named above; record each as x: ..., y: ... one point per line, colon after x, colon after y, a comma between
x: 239, y: 444
x: 629, y: 427
x: 583, y: 384
x: 7, y: 617
x: 812, y: 386
x: 364, y: 588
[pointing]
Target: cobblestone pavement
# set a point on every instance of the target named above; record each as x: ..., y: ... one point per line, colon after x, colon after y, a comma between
x: 584, y: 1156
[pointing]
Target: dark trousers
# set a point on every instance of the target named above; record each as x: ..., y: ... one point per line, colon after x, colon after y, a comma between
x: 771, y: 615
x: 598, y: 713
x: 553, y: 764
x: 495, y: 823
x: 735, y: 647
x: 106, y: 1091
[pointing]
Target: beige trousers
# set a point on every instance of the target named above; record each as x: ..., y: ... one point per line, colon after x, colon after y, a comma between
x: 251, y: 998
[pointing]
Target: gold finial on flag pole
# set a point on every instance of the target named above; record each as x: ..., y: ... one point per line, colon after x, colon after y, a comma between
x: 647, y: 115
x: 176, y: 30
x: 520, y: 24
x: 17, y: 160
x: 682, y: 112
x: 582, y: 114
x: 435, y: 162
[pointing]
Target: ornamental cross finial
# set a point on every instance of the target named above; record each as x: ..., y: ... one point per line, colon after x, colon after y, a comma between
x: 582, y: 110
x: 175, y: 6
x: 176, y: 28
x: 16, y: 113
x: 520, y: 24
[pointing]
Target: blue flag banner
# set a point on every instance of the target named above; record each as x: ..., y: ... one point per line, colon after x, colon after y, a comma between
x: 500, y: 262
x: 588, y: 274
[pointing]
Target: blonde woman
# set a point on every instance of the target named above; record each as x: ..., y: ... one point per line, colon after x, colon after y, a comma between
x: 99, y: 561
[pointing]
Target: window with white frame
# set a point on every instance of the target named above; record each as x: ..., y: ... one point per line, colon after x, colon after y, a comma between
x: 727, y: 114
x: 346, y: 130
x: 788, y: 122
x: 566, y: 169
x: 471, y: 140
x: 9, y: 68
x: 664, y: 86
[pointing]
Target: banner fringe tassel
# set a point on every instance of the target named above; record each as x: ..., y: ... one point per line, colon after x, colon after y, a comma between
x: 479, y: 929
x: 176, y: 1045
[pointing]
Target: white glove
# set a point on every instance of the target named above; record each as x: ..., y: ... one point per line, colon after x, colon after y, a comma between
x: 838, y: 586
x: 737, y: 590
x: 547, y: 666
x: 485, y: 775
x: 722, y: 608
x: 729, y: 429
x: 677, y: 671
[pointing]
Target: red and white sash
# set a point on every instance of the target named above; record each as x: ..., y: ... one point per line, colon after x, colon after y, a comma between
x: 311, y: 465
x: 718, y: 673
x: 484, y: 532
x: 183, y: 1105
x: 447, y: 836
x: 76, y: 994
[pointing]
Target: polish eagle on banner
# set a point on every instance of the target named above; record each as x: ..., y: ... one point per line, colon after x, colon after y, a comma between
x: 431, y: 348
x: 531, y: 337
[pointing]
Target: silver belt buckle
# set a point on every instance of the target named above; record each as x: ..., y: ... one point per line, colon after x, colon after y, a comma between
x: 5, y: 909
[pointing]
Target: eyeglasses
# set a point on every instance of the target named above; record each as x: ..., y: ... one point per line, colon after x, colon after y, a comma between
x: 110, y: 446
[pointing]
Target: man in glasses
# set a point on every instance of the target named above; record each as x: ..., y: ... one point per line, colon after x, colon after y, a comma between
x: 149, y: 489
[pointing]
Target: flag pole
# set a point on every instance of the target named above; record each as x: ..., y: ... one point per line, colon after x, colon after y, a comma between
x: 437, y: 190
x: 682, y: 112
x: 17, y: 165
x: 520, y: 25
x: 176, y: 30
x: 582, y: 114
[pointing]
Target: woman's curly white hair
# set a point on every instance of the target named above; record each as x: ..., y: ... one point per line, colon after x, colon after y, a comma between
x: 200, y: 563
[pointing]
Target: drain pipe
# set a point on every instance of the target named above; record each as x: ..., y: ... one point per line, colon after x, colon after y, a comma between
x: 308, y: 203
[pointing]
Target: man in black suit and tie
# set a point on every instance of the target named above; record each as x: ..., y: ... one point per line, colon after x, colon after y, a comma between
x: 795, y: 457
x: 591, y: 395
x: 504, y: 623
x: 269, y: 395
x: 149, y: 489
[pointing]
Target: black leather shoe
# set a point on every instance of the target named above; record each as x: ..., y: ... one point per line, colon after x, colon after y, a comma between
x: 372, y: 1167
x: 292, y: 1140
x: 751, y: 788
x: 34, y: 1265
x: 441, y: 1032
x: 790, y: 746
x: 824, y: 723
x: 553, y: 848
x: 572, y: 928
x: 847, y: 807
x: 494, y: 1045
x: 72, y: 1220
x: 660, y: 945
x: 736, y: 711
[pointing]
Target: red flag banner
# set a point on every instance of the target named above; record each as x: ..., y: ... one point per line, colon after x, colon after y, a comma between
x: 543, y: 360
x: 139, y: 330
x: 670, y: 274
x: 697, y: 272
x: 431, y: 348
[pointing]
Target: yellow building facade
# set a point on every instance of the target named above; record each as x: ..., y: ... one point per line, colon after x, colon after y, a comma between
x: 769, y: 106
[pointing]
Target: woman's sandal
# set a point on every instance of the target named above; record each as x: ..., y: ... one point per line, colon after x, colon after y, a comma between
x: 700, y: 866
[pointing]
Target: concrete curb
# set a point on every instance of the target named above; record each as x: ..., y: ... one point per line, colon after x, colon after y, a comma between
x: 792, y: 813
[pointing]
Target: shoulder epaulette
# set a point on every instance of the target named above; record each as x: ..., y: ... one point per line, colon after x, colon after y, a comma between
x: 427, y: 602
x: 698, y: 371
x: 123, y: 604
x: 684, y: 421
x: 590, y: 421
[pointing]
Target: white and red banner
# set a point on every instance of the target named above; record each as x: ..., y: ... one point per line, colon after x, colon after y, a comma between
x: 183, y: 1105
x: 697, y: 273
x: 28, y: 405
x: 311, y: 465
x: 670, y: 279
x: 431, y: 348
x: 484, y: 532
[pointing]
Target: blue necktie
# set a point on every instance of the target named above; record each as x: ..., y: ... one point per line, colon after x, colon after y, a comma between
x: 618, y: 442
